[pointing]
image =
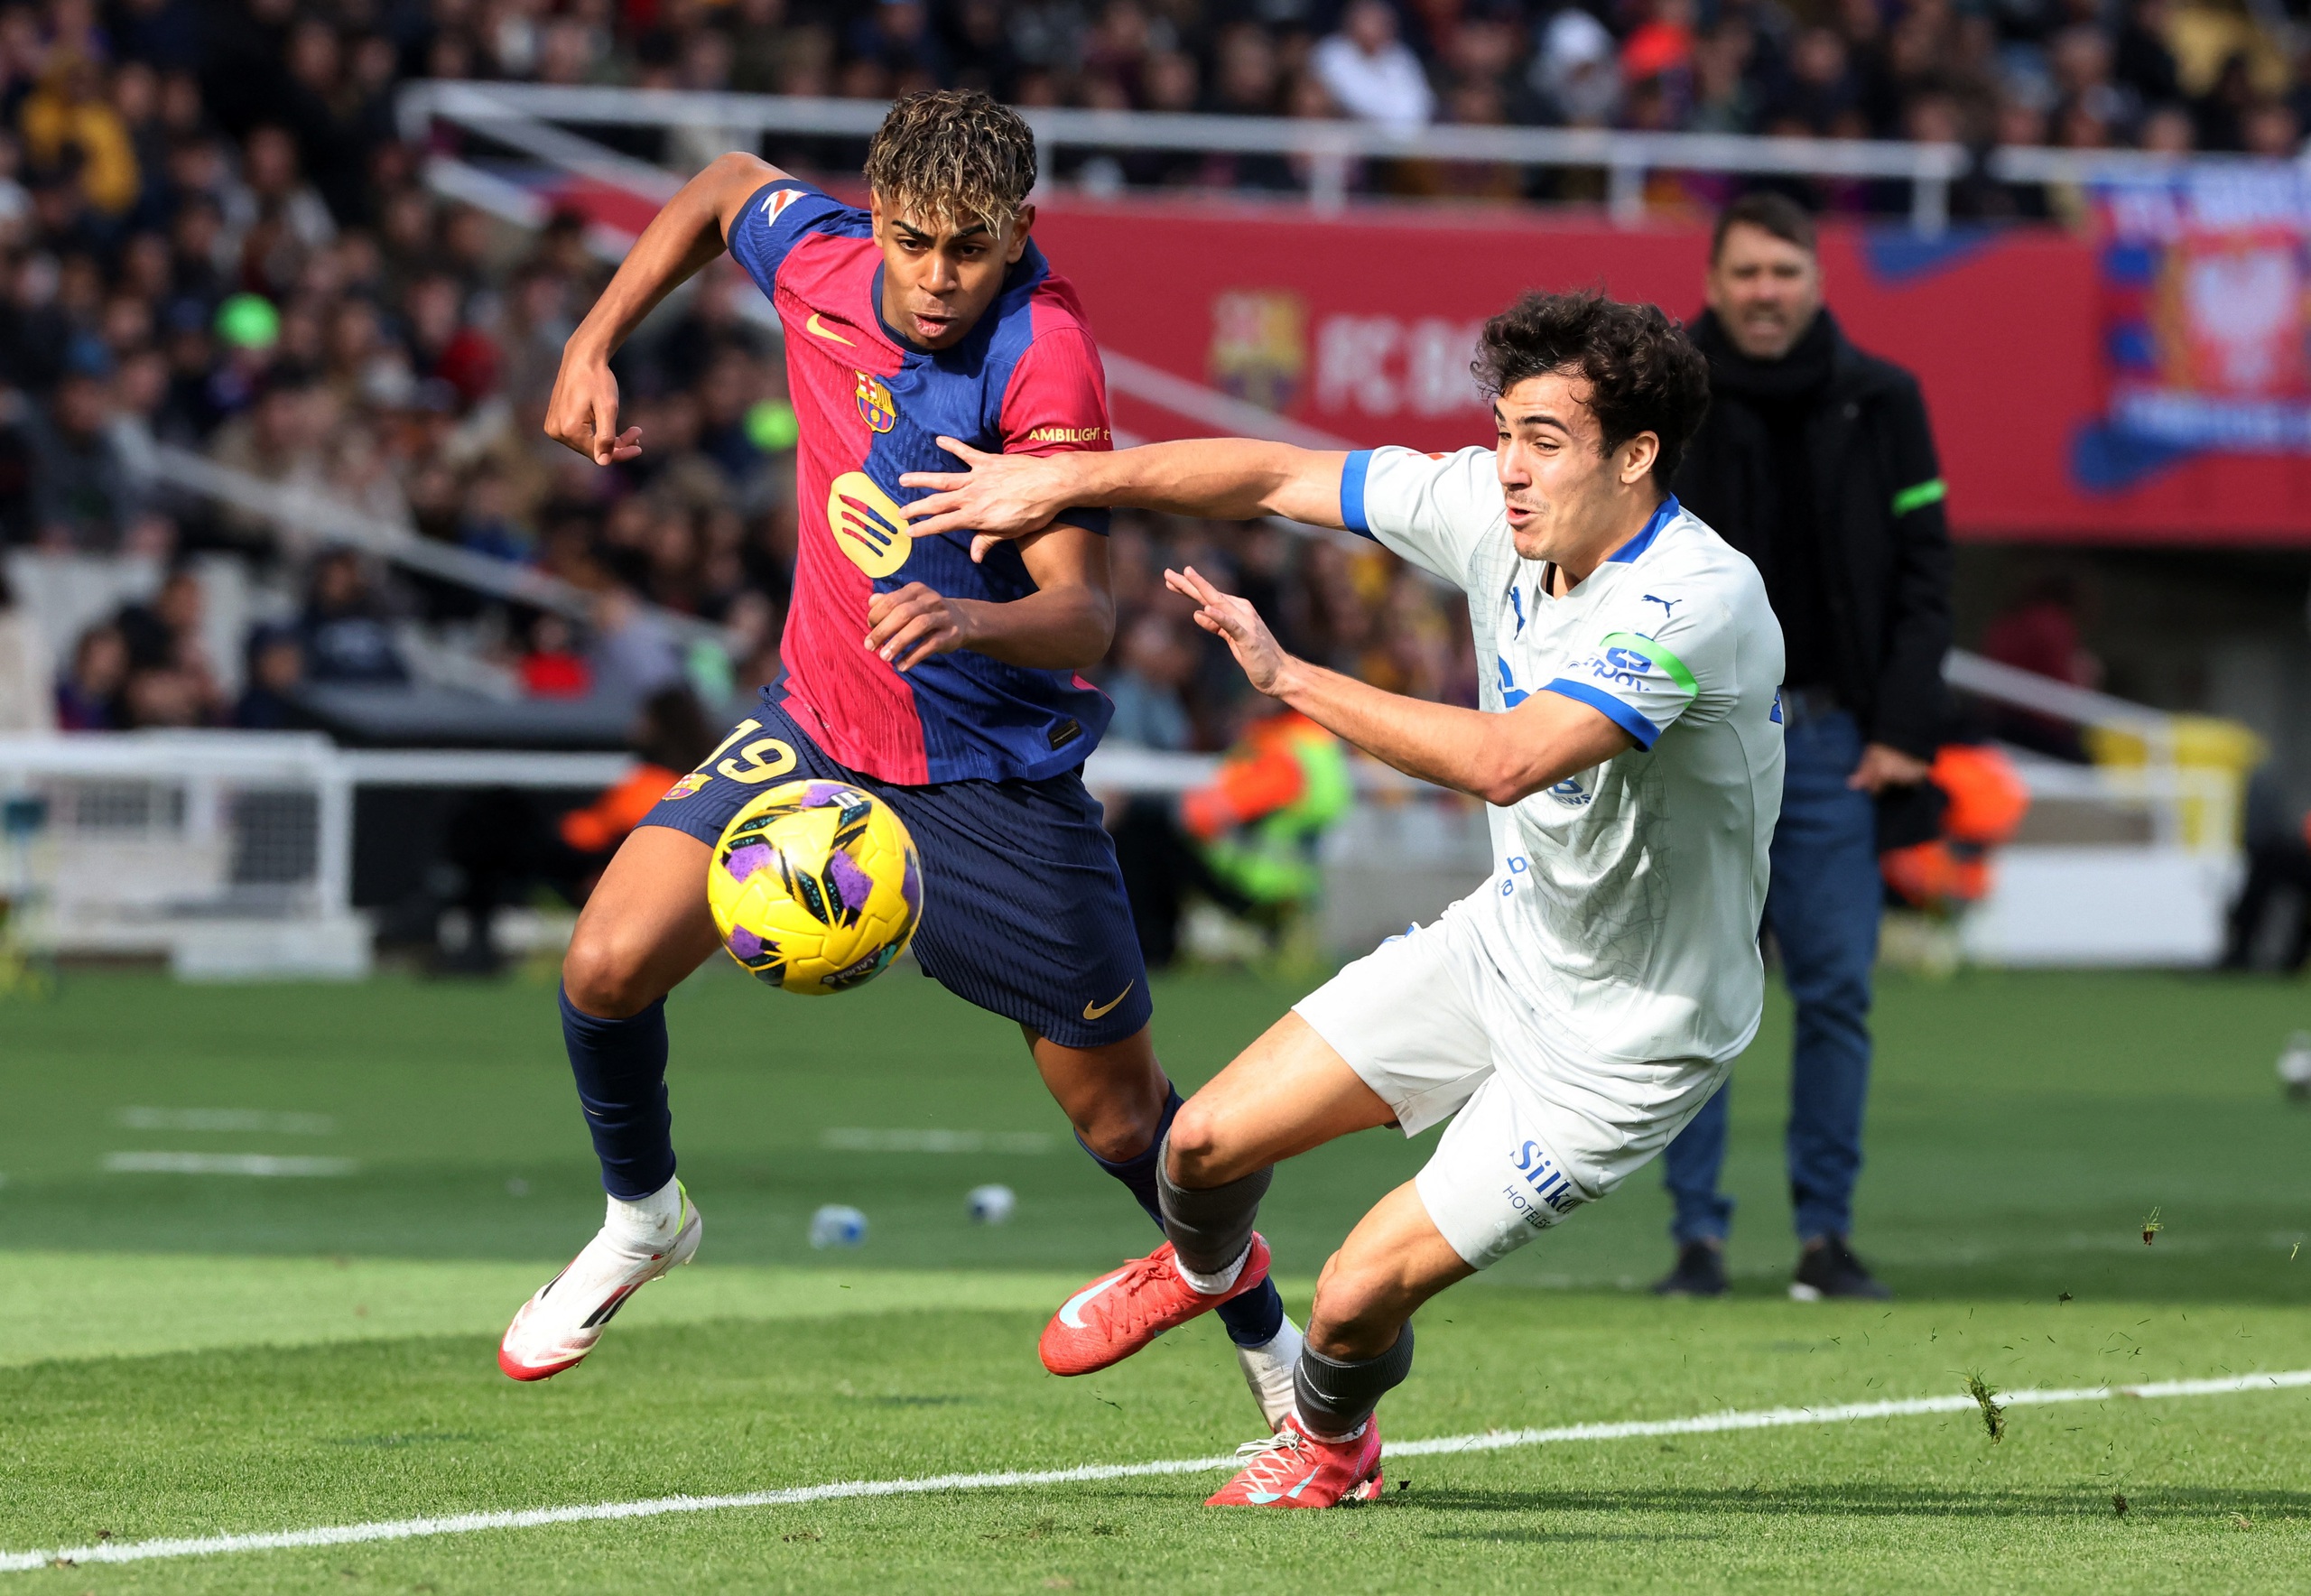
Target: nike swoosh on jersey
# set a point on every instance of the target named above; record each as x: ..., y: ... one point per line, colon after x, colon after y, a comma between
x: 1092, y: 1011
x: 1264, y: 1497
x: 823, y: 331
x: 1070, y: 1311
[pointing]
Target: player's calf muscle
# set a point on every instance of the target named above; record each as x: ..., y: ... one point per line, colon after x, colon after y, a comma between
x: 1393, y: 1261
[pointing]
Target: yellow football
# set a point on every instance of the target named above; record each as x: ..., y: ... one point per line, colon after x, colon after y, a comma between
x: 816, y: 887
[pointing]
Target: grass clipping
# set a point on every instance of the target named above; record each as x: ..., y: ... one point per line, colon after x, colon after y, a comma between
x: 1986, y: 1394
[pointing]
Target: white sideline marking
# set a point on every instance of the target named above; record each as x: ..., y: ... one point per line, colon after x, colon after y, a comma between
x: 1771, y: 1418
x: 226, y: 1119
x: 852, y: 1139
x: 260, y: 1164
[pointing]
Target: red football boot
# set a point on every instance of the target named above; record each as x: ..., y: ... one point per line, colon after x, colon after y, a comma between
x: 1293, y: 1468
x: 1117, y: 1314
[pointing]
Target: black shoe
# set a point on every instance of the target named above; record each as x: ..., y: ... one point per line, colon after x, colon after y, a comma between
x: 1700, y: 1272
x: 1828, y: 1268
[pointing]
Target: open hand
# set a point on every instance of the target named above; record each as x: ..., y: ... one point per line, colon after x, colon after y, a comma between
x: 1235, y: 622
x: 909, y: 624
x: 1883, y: 766
x: 999, y: 497
x: 583, y: 412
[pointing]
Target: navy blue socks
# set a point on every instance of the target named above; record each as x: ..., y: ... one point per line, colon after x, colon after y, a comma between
x: 1252, y: 1319
x: 620, y: 1066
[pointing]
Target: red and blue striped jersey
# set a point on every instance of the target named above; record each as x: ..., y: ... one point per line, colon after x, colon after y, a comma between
x: 1027, y: 380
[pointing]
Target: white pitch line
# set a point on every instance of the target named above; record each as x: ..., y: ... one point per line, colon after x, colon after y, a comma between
x: 253, y: 1163
x: 405, y: 1529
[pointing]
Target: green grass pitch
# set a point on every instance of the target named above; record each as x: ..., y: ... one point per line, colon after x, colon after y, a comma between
x: 195, y: 1354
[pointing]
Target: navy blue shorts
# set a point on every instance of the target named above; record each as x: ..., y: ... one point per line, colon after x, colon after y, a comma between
x: 1024, y: 912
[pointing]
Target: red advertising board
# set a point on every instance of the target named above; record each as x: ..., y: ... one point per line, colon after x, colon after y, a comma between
x: 1361, y: 325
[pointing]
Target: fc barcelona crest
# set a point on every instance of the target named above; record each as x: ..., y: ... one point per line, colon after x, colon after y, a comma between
x: 875, y: 404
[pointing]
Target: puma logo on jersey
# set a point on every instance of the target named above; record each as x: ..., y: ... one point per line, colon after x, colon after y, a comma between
x: 1667, y: 605
x: 822, y: 329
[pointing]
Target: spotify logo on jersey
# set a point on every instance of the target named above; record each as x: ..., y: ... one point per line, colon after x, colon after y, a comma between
x: 866, y: 525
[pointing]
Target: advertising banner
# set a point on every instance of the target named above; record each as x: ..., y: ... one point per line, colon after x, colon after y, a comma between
x: 2151, y: 384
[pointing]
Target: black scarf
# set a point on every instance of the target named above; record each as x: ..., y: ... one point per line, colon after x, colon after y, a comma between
x: 1795, y: 375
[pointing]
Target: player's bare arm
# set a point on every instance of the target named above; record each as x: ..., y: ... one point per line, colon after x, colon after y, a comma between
x: 1009, y: 495
x: 683, y: 236
x: 1501, y: 758
x: 1066, y: 623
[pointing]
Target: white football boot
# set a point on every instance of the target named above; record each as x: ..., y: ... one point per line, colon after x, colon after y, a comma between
x: 559, y: 1326
x: 1268, y: 1370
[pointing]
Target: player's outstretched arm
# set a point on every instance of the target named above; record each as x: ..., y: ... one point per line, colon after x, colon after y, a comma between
x: 1009, y: 495
x: 1499, y: 758
x: 682, y: 237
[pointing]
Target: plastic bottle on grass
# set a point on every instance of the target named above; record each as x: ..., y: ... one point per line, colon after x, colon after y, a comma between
x: 835, y: 1225
x: 992, y: 1205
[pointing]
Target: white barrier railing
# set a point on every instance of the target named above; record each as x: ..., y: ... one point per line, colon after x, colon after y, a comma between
x: 1329, y: 147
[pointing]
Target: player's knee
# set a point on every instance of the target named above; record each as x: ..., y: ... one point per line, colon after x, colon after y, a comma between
x: 1360, y: 1307
x: 604, y: 976
x: 1200, y: 1157
x: 1118, y: 1132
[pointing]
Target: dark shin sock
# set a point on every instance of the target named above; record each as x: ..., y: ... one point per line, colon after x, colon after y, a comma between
x: 1209, y: 1228
x: 1252, y: 1319
x: 620, y: 1066
x: 1335, y: 1398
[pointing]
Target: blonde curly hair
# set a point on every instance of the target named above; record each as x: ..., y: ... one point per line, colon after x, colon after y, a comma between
x: 951, y: 157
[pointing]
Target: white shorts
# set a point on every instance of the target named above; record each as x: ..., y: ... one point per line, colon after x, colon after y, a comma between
x: 1427, y: 1021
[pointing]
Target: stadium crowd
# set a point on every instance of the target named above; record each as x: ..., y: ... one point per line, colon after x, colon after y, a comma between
x: 213, y: 237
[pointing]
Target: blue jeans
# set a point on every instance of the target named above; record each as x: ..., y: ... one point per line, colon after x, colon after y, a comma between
x: 1823, y: 908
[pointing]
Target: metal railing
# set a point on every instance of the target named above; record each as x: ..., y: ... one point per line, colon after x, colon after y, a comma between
x: 1329, y: 148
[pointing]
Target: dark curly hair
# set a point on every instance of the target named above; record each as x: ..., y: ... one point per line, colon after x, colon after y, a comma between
x: 953, y: 156
x: 1644, y: 375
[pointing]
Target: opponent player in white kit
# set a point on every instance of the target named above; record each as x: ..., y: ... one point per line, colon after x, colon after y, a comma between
x: 1571, y: 1014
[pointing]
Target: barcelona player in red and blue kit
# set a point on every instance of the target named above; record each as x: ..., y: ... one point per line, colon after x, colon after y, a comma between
x: 949, y: 688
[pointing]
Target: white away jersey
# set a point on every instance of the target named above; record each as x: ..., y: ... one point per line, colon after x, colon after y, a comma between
x: 1624, y: 903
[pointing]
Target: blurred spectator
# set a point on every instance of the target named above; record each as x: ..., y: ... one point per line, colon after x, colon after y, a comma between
x: 1152, y: 665
x: 277, y: 666
x: 1370, y: 72
x: 551, y: 666
x: 1284, y: 783
x: 2040, y: 631
x: 2222, y: 111
x: 276, y: 440
x: 26, y: 702
x: 159, y: 632
x: 1577, y: 73
x: 87, y: 695
x: 343, y: 631
x: 69, y: 124
x: 634, y: 653
x: 85, y: 497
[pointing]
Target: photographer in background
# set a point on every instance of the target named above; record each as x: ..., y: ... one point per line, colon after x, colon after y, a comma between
x: 1816, y: 462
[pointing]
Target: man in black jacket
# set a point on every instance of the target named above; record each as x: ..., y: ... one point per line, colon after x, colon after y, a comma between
x: 1816, y: 462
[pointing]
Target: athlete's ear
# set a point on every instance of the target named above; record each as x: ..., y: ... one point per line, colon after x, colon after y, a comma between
x: 1020, y: 226
x: 1638, y: 456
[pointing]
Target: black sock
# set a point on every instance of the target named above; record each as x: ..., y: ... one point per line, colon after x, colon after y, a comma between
x: 1335, y: 1398
x: 620, y: 1066
x: 1252, y: 1319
